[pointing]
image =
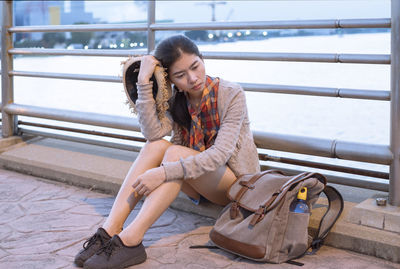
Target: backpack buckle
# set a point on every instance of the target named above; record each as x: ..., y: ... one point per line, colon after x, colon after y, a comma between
x: 234, y: 210
x: 258, y: 215
x: 246, y: 184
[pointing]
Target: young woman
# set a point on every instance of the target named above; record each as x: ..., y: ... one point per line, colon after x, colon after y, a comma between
x: 211, y: 145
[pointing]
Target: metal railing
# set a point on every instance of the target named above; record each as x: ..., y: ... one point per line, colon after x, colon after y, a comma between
x: 379, y: 154
x: 394, y: 183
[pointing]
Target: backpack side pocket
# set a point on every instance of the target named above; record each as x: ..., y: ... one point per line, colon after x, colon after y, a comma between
x: 295, y: 242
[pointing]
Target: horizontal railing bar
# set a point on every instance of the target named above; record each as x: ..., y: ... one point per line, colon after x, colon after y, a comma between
x: 80, y: 140
x: 318, y: 91
x: 265, y: 88
x: 332, y: 179
x: 263, y: 157
x: 253, y: 56
x: 347, y: 181
x: 301, y: 57
x: 361, y: 152
x: 298, y: 24
x: 325, y: 166
x: 104, y: 120
x: 302, y: 24
x: 101, y: 78
x: 313, y: 146
x: 90, y: 132
x: 77, y: 52
x: 79, y: 28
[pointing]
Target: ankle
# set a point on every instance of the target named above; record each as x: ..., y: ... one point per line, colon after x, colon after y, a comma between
x: 111, y: 230
x: 130, y: 241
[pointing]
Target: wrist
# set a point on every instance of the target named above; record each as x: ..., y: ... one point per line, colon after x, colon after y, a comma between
x: 143, y: 80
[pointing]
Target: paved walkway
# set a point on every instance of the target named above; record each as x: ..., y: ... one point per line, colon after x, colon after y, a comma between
x: 44, y: 223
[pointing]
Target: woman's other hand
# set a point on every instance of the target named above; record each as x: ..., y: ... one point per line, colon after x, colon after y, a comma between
x: 149, y: 181
x: 147, y: 66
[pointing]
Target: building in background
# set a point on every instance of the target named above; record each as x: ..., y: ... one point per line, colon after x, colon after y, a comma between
x: 49, y: 13
x: 77, y: 14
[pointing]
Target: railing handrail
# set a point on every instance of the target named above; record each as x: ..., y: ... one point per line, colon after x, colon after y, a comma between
x: 381, y: 95
x: 76, y: 52
x: 286, y: 24
x: 79, y: 28
x: 362, y: 152
x: 88, y: 118
x: 301, y: 57
x: 244, y: 56
x: 100, y: 78
x: 251, y: 87
x: 331, y: 148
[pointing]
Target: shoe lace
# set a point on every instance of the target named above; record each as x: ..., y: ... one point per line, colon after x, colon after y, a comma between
x: 92, y: 240
x: 108, y: 249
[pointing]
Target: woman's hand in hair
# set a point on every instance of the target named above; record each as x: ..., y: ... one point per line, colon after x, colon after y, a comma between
x: 147, y: 65
x: 149, y: 181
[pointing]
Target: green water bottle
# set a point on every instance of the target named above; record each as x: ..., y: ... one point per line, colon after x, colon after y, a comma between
x: 299, y: 205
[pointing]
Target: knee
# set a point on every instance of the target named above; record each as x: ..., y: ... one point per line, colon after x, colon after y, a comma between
x: 157, y: 145
x: 173, y: 153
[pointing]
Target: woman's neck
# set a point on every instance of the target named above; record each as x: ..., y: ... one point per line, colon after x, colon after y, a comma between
x: 195, y: 99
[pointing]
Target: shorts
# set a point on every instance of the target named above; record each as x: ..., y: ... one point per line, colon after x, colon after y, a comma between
x: 197, y: 202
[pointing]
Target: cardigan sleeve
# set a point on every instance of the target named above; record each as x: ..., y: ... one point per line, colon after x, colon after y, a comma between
x: 151, y: 126
x: 218, y: 154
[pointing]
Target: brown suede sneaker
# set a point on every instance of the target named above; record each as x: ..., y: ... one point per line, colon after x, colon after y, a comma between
x: 116, y: 255
x: 91, y: 246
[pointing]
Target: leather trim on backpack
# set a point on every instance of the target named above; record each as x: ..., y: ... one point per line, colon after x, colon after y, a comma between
x: 251, y: 251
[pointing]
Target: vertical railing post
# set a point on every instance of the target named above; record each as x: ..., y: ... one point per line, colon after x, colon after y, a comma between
x: 394, y: 185
x: 7, y: 83
x: 151, y: 19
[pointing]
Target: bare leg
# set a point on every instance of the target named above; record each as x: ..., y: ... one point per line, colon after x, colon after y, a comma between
x: 154, y: 205
x: 149, y: 157
x: 160, y: 199
x: 213, y: 186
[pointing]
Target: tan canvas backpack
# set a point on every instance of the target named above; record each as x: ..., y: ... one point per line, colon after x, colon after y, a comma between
x: 258, y: 224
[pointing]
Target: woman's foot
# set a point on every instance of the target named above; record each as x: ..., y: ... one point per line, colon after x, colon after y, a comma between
x: 115, y: 254
x: 91, y: 246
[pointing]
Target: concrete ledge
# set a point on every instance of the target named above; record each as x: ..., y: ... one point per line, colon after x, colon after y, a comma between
x: 75, y: 168
x: 9, y: 142
x: 104, y: 169
x: 368, y: 213
x: 358, y: 238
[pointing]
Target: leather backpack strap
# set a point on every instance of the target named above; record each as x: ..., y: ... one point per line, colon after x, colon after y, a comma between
x: 335, y: 209
x: 284, y: 189
x: 277, y: 197
x: 247, y: 185
x: 250, y: 183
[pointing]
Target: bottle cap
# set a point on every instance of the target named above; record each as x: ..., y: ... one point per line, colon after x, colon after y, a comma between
x: 302, y: 194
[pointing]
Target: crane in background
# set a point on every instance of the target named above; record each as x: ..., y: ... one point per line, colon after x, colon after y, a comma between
x: 213, y: 5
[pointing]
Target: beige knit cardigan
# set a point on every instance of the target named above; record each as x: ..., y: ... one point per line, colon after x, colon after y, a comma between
x: 233, y: 146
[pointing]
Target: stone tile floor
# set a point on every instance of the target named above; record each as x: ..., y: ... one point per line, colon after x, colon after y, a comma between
x: 44, y: 223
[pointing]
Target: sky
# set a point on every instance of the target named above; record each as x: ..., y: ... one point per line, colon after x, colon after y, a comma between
x: 200, y: 11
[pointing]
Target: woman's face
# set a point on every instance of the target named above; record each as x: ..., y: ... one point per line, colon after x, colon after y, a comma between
x: 188, y: 74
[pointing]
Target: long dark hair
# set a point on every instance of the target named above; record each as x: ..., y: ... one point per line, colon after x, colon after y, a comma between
x: 167, y: 52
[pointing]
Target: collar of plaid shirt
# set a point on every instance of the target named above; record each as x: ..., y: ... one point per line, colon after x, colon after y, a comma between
x: 205, y: 119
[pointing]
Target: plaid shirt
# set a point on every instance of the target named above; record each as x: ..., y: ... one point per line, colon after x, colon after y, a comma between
x: 205, y: 119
